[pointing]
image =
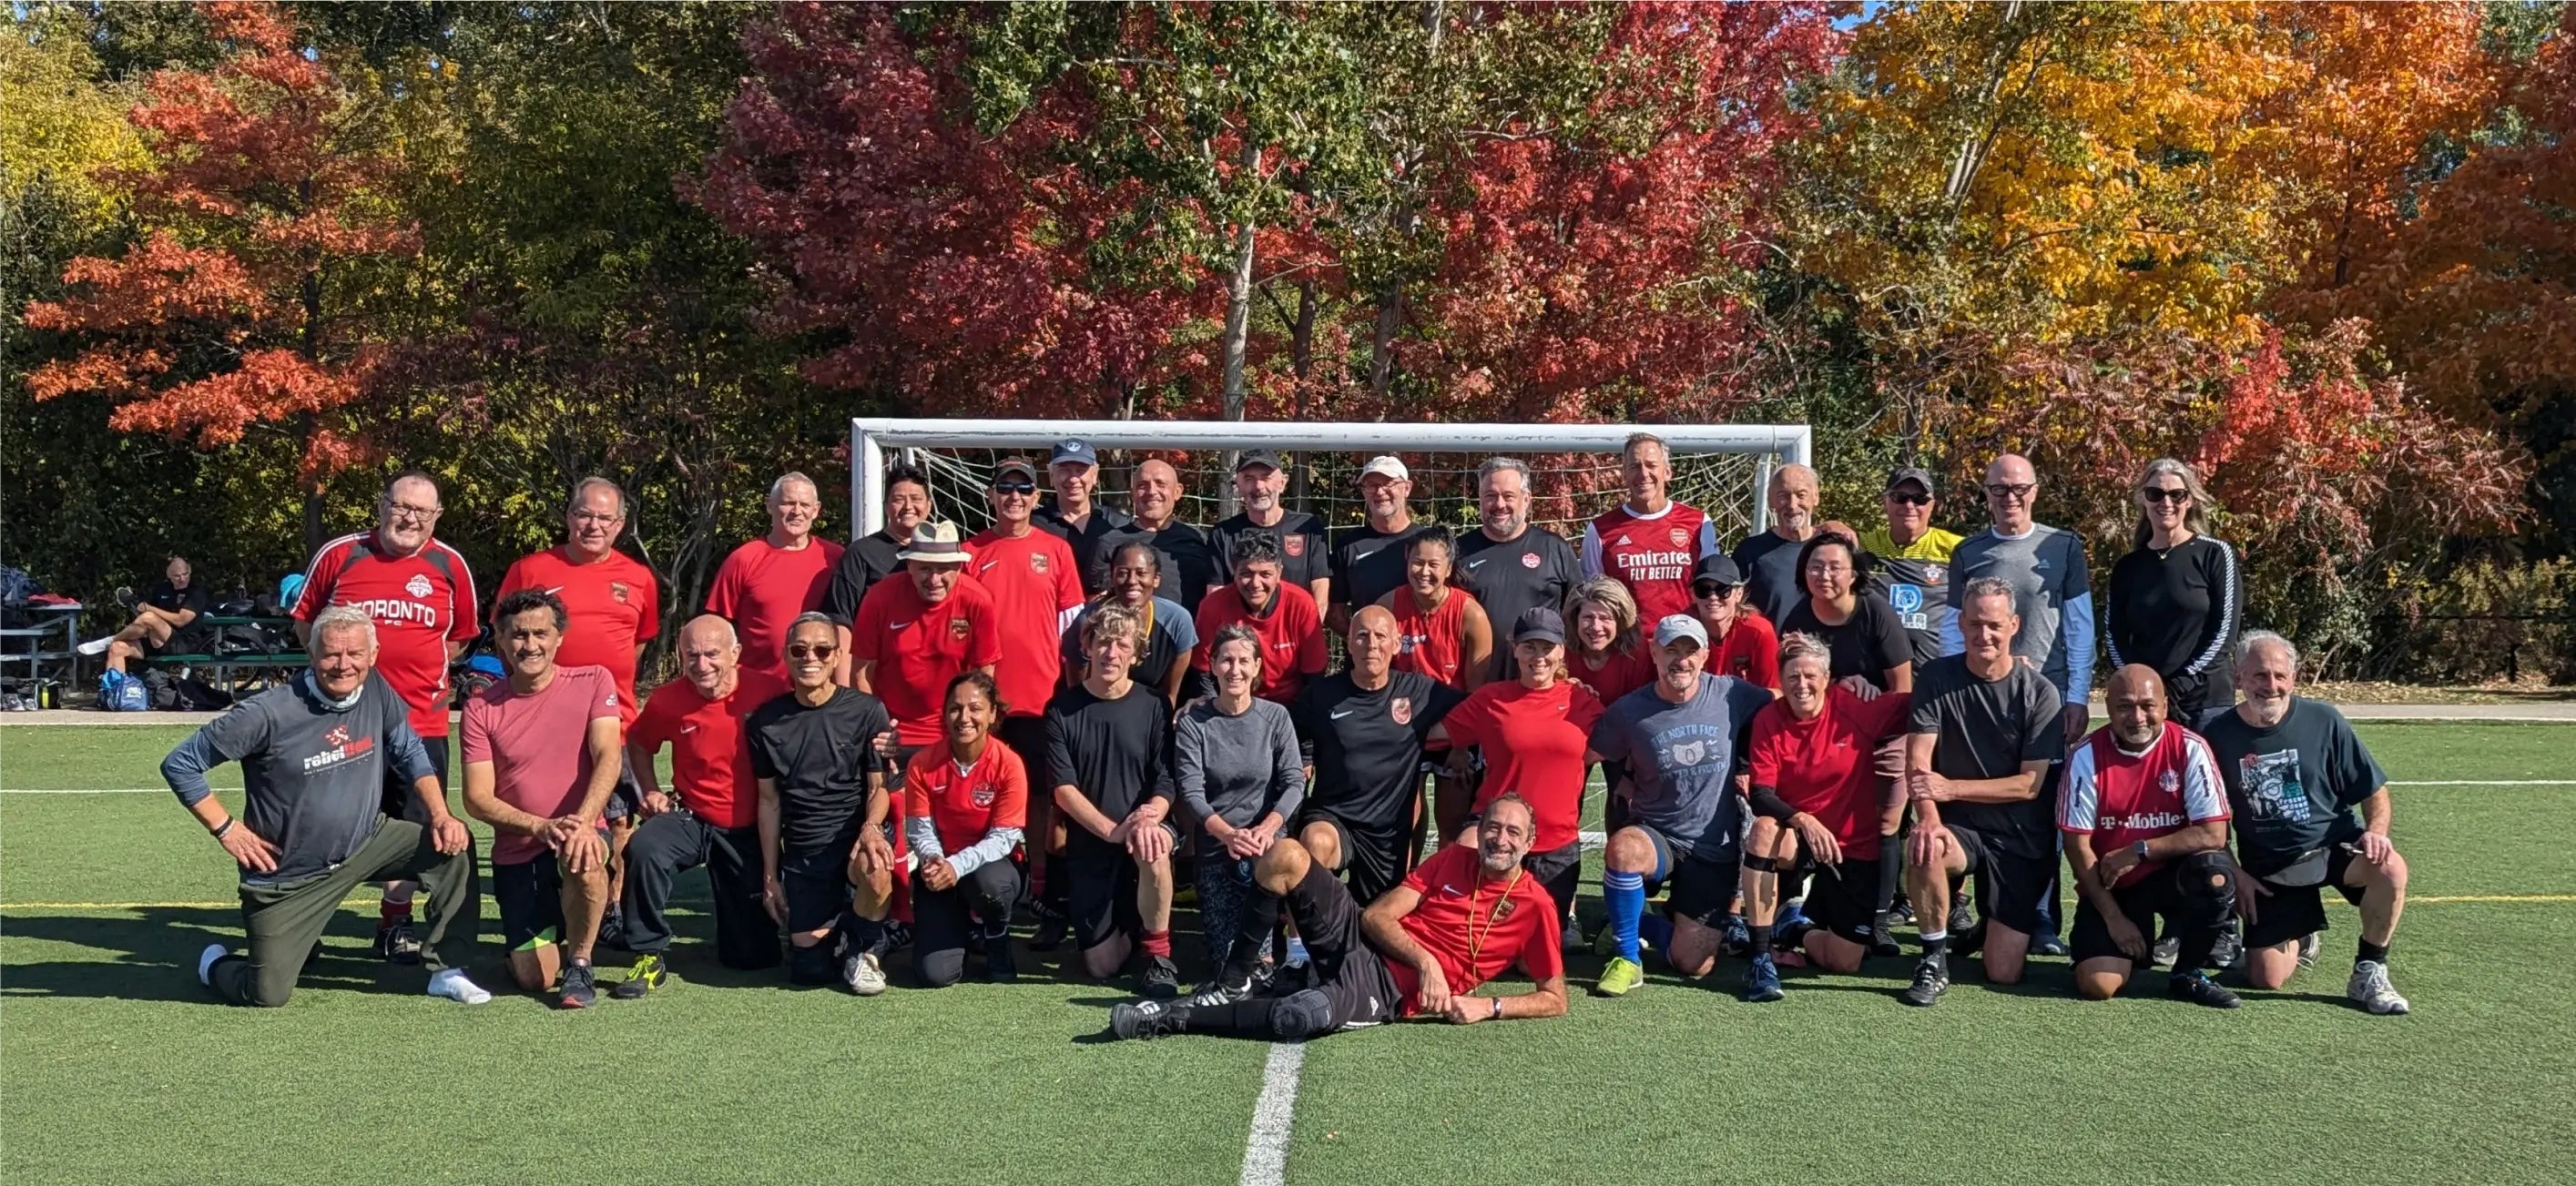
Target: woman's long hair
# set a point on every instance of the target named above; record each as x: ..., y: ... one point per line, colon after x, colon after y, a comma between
x: 2195, y: 515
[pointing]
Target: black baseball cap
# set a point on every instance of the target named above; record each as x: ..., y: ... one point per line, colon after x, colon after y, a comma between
x: 1253, y: 457
x: 1016, y: 465
x: 1716, y: 567
x: 1906, y: 473
x: 1540, y: 622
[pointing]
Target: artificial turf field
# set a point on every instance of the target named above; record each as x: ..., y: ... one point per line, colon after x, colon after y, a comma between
x: 115, y: 1066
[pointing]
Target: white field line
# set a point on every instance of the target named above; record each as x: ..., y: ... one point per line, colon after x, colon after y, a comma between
x: 1274, y: 1116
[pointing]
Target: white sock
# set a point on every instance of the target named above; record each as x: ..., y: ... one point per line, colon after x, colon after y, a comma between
x: 452, y: 984
x: 206, y: 962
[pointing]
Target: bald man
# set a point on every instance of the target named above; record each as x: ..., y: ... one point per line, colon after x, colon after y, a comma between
x: 1363, y: 730
x: 715, y: 823
x: 1188, y: 558
x: 1769, y: 559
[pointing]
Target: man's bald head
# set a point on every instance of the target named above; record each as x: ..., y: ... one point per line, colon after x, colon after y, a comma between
x: 1793, y: 495
x: 1372, y: 642
x: 2136, y: 699
x: 2012, y: 493
x: 1154, y: 492
x: 709, y: 649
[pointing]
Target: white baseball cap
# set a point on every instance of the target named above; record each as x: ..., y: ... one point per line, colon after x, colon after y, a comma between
x: 1387, y: 465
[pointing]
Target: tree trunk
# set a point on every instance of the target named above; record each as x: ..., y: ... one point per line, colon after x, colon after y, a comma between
x: 1390, y: 310
x: 1238, y: 324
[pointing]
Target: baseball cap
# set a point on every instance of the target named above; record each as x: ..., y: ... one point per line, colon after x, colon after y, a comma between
x: 934, y: 540
x: 1676, y: 627
x: 1716, y: 567
x: 1386, y: 465
x: 1540, y: 622
x: 1016, y: 465
x: 1073, y: 450
x: 1906, y: 473
x: 1253, y: 457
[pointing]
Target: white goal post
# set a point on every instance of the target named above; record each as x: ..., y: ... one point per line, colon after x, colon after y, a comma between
x: 1720, y: 468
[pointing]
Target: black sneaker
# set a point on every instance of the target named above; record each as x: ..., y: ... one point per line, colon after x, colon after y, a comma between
x: 1968, y: 942
x: 2200, y: 990
x: 1735, y: 938
x: 612, y: 931
x: 644, y: 977
x: 1960, y: 920
x: 999, y: 966
x: 1224, y: 988
x: 1148, y: 1020
x: 897, y: 937
x: 1050, y: 933
x: 2230, y: 950
x: 1882, y: 937
x: 1161, y: 980
x: 2048, y: 945
x: 580, y: 988
x: 395, y: 943
x: 1931, y: 979
x: 1901, y: 914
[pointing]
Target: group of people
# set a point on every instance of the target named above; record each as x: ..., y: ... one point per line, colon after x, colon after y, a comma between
x: 924, y: 738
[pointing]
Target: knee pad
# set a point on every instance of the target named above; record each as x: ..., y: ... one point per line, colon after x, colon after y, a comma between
x: 1762, y: 863
x: 2209, y: 873
x: 1306, y: 1013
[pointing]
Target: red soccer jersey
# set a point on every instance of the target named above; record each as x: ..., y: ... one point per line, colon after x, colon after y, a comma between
x: 420, y: 603
x: 1750, y: 651
x: 1476, y: 929
x: 964, y: 805
x: 710, y: 768
x: 1651, y: 554
x: 2120, y: 798
x: 1433, y: 641
x: 1617, y: 674
x: 1033, y: 581
x: 538, y: 745
x: 1825, y: 766
x: 761, y: 588
x: 1292, y: 637
x: 1534, y: 743
x: 613, y: 603
x: 918, y: 647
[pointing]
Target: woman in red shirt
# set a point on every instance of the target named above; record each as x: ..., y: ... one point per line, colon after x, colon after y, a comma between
x: 964, y: 804
x: 1818, y: 808
x: 1607, y: 653
x: 1536, y: 733
x: 1441, y: 630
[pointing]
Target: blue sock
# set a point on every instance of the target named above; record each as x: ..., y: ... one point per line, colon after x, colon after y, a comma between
x: 1656, y: 929
x: 1625, y: 895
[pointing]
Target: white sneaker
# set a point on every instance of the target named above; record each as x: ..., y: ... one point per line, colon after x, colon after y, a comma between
x: 206, y: 962
x: 96, y: 646
x: 2308, y: 945
x: 452, y: 984
x: 2369, y: 988
x: 863, y: 974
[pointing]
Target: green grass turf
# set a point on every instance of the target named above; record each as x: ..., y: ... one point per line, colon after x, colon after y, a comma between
x: 115, y: 1068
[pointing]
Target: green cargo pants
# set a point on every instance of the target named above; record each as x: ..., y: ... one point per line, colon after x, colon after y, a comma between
x: 285, y: 921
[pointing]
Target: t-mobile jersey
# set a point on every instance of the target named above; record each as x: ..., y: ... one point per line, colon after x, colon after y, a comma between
x: 1303, y: 556
x: 1510, y: 577
x: 538, y: 745
x: 613, y: 605
x: 313, y: 776
x: 1682, y: 760
x: 1366, y: 746
x: 1651, y: 554
x: 1034, y: 587
x: 762, y: 587
x: 2119, y: 798
x: 2052, y: 591
x: 1116, y: 752
x: 1476, y: 928
x: 1292, y: 637
x: 1534, y: 741
x: 1915, y: 580
x: 1824, y: 766
x: 1432, y: 641
x: 420, y: 603
x: 1988, y: 729
x: 2294, y: 787
x: 821, y: 757
x: 710, y: 766
x: 1368, y: 563
x: 918, y: 647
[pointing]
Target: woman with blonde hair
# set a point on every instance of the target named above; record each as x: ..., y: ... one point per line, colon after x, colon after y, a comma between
x: 2177, y: 599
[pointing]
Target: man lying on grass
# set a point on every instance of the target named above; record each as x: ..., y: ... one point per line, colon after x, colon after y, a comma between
x: 1463, y: 916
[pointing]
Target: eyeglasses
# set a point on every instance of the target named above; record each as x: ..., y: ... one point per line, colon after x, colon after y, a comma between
x: 1912, y: 500
x: 2018, y: 491
x: 404, y: 510
x: 1015, y: 487
x: 596, y: 517
x: 810, y: 651
x: 2176, y: 494
x: 1711, y: 589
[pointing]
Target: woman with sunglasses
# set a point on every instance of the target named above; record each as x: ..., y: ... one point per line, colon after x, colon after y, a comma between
x: 2177, y: 598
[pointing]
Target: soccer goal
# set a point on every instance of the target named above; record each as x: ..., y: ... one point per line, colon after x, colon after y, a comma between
x: 1719, y: 468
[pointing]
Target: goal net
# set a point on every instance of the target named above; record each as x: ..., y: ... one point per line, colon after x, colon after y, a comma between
x: 1721, y: 469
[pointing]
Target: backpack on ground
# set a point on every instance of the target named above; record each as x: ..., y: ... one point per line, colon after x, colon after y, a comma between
x: 119, y: 692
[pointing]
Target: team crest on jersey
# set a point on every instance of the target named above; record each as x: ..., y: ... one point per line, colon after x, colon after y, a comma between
x: 1936, y: 573
x: 982, y: 795
x: 2169, y: 782
x: 1681, y: 538
x: 1294, y: 545
x: 618, y: 590
x: 1690, y: 753
x: 1503, y: 909
x: 417, y: 586
x: 1400, y: 710
x: 957, y: 628
x: 1529, y: 560
x: 1037, y: 562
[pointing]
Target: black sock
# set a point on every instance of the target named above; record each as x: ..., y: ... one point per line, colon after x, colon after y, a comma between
x: 1890, y: 870
x: 1247, y: 1018
x: 864, y: 934
x: 1761, y: 939
x: 1936, y: 947
x: 2374, y: 952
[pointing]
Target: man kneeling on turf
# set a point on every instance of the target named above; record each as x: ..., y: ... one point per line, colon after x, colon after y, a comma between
x: 1108, y: 746
x: 1464, y: 916
x: 828, y: 847
x: 314, y: 753
x: 2146, y: 833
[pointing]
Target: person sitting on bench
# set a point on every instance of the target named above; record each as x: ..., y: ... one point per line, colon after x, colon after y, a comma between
x: 164, y: 614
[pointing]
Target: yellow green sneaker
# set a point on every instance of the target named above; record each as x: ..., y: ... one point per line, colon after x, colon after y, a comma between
x: 1606, y: 944
x: 1618, y: 979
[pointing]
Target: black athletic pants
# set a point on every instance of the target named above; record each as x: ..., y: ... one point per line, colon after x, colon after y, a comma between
x: 675, y: 842
x: 1352, y: 985
x: 944, y: 921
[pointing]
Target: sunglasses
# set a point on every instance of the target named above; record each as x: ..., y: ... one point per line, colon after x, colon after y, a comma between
x: 1710, y: 589
x: 1913, y: 500
x: 2157, y: 494
x: 1015, y: 487
x: 2019, y: 490
x: 811, y: 650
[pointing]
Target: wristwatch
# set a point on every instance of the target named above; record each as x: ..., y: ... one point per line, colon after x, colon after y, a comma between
x: 2140, y: 849
x: 1497, y: 1014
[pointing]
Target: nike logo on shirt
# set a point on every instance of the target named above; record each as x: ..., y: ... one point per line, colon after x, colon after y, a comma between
x: 986, y: 566
x: 1478, y: 560
x: 1345, y: 712
x: 685, y: 730
x: 901, y: 625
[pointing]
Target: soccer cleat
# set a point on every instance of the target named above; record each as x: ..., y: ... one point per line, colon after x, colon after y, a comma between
x: 1161, y: 979
x: 1605, y: 942
x: 1148, y: 1020
x: 580, y: 987
x: 206, y: 963
x: 1620, y: 978
x: 2048, y: 945
x: 1960, y: 920
x: 644, y: 977
x: 2370, y: 989
x: 612, y: 931
x: 862, y: 974
x: 1735, y: 938
x: 898, y: 936
x: 1761, y: 981
x: 2308, y: 945
x: 1967, y: 942
x: 452, y: 984
x: 1050, y: 933
x: 1882, y: 936
x: 1224, y: 988
x: 1569, y: 936
x: 2229, y: 952
x: 1931, y: 979
x: 395, y: 944
x: 1000, y: 966
x: 2168, y: 949
x: 1901, y: 914
x: 2196, y: 987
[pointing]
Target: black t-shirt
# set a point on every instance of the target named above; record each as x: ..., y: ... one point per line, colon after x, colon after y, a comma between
x: 170, y: 600
x: 1770, y: 567
x: 2176, y: 611
x: 1511, y: 576
x: 869, y: 559
x: 1188, y: 561
x: 1367, y: 746
x: 1302, y: 554
x: 821, y: 758
x: 2294, y: 787
x: 1091, y: 544
x: 1868, y: 642
x: 1987, y: 729
x: 1368, y: 563
x: 1116, y: 752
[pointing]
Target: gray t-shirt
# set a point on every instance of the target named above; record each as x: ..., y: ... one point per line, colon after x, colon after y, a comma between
x: 1239, y: 767
x: 313, y: 776
x: 1988, y: 729
x: 2295, y: 786
x: 2046, y: 571
x: 1682, y: 760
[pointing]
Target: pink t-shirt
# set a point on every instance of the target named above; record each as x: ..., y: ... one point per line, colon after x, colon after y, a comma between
x: 538, y: 746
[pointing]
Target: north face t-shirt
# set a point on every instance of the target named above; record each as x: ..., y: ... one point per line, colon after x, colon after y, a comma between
x: 1682, y: 759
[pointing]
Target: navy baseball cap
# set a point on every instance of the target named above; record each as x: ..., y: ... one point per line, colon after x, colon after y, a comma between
x: 1073, y: 450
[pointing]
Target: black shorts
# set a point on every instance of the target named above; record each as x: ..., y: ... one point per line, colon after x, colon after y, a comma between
x: 1351, y: 980
x: 1027, y: 737
x: 1703, y: 890
x: 1843, y: 898
x: 399, y: 802
x: 1375, y: 861
x: 1560, y: 870
x: 2008, y: 886
x: 817, y: 884
x: 2296, y: 910
x: 1100, y: 890
x: 530, y: 895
